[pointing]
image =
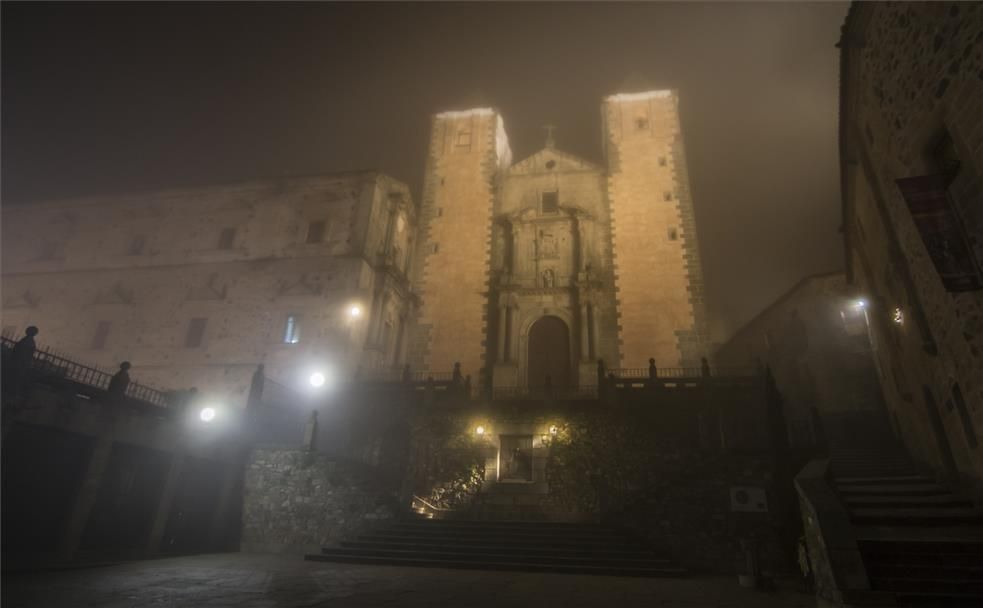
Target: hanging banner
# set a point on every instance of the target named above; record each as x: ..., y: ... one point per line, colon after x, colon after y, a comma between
x: 939, y: 228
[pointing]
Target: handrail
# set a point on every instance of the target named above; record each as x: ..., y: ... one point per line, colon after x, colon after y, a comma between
x: 428, y: 505
x: 48, y: 361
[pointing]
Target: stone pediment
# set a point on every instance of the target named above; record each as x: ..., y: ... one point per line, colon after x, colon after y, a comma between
x: 212, y: 289
x: 306, y: 285
x: 117, y: 294
x: 549, y: 160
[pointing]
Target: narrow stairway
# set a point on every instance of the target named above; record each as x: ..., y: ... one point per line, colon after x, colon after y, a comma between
x: 521, y: 546
x: 918, y: 539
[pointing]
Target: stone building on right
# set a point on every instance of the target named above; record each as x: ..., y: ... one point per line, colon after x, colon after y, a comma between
x: 911, y: 148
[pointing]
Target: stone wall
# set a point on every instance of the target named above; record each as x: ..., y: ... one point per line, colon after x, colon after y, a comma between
x: 912, y: 73
x: 143, y: 266
x: 296, y: 502
x: 814, y: 338
x: 658, y: 280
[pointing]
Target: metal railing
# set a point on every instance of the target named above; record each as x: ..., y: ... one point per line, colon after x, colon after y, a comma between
x: 49, y: 362
x: 679, y: 372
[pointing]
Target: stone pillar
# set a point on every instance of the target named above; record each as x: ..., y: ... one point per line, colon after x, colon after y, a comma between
x: 221, y: 511
x: 503, y: 314
x: 514, y: 333
x: 584, y: 333
x: 163, y: 512
x: 87, y: 495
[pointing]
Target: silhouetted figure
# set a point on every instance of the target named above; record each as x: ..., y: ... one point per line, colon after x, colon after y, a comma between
x: 119, y: 383
x: 456, y: 376
x: 21, y: 359
x: 704, y: 367
x: 653, y: 371
x: 406, y: 374
x: 23, y: 353
x: 310, y: 433
x: 256, y: 385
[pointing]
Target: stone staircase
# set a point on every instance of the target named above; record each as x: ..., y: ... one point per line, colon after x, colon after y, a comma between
x: 918, y: 539
x: 521, y: 546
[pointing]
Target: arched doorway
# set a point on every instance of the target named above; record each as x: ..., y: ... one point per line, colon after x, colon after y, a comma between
x: 549, y: 354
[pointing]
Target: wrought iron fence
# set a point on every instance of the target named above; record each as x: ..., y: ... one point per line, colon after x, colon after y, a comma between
x: 679, y: 372
x: 49, y: 362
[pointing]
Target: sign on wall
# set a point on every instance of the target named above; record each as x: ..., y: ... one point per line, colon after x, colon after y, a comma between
x: 941, y: 231
x: 748, y: 499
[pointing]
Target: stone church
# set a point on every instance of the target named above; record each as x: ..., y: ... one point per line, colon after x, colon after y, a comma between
x: 535, y: 270
x: 518, y: 271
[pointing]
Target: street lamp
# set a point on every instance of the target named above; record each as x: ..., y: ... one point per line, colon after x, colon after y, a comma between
x: 317, y: 379
x: 207, y: 414
x: 355, y: 312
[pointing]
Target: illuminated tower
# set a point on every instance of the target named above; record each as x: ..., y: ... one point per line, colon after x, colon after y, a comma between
x: 658, y: 279
x: 467, y: 151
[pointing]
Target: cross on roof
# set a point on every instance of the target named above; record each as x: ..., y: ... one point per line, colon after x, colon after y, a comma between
x: 550, y: 142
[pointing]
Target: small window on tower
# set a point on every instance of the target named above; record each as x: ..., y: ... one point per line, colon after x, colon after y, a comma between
x: 315, y: 231
x: 673, y: 235
x: 291, y: 330
x: 667, y: 195
x: 440, y: 211
x: 464, y: 138
x: 662, y: 161
x: 551, y: 202
x: 434, y: 248
x: 227, y: 238
x: 642, y: 123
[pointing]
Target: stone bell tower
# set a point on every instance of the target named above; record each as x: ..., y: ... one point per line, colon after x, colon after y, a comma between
x: 467, y: 150
x: 657, y: 273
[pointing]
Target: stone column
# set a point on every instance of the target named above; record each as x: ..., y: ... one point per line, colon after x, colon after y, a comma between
x: 87, y: 495
x: 503, y: 313
x: 163, y: 511
x: 221, y: 511
x: 584, y: 332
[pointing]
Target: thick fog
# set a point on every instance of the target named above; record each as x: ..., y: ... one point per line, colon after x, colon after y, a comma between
x: 121, y: 97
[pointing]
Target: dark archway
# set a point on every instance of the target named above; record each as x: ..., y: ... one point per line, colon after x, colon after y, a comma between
x: 549, y: 353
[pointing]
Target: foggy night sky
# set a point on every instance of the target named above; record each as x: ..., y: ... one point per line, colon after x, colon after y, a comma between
x: 115, y: 97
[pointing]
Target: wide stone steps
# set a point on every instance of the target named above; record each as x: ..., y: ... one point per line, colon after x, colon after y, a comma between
x: 522, y: 546
x: 919, y: 541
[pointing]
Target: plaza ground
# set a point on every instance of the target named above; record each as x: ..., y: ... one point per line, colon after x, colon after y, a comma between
x: 267, y: 581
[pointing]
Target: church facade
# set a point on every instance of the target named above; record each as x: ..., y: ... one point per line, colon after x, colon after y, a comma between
x: 531, y: 272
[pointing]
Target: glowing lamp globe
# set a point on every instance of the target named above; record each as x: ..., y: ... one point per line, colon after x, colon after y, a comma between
x: 317, y: 379
x: 207, y: 414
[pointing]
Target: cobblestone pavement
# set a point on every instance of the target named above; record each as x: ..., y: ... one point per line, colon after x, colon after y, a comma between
x: 266, y: 581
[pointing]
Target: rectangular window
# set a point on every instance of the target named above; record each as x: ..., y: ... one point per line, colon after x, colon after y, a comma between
x: 227, y: 238
x: 662, y: 161
x: 137, y: 245
x: 315, y: 231
x: 102, y: 333
x: 672, y: 234
x: 434, y: 248
x: 196, y: 331
x: 667, y: 195
x: 464, y: 138
x: 291, y: 330
x: 642, y: 123
x: 551, y: 202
